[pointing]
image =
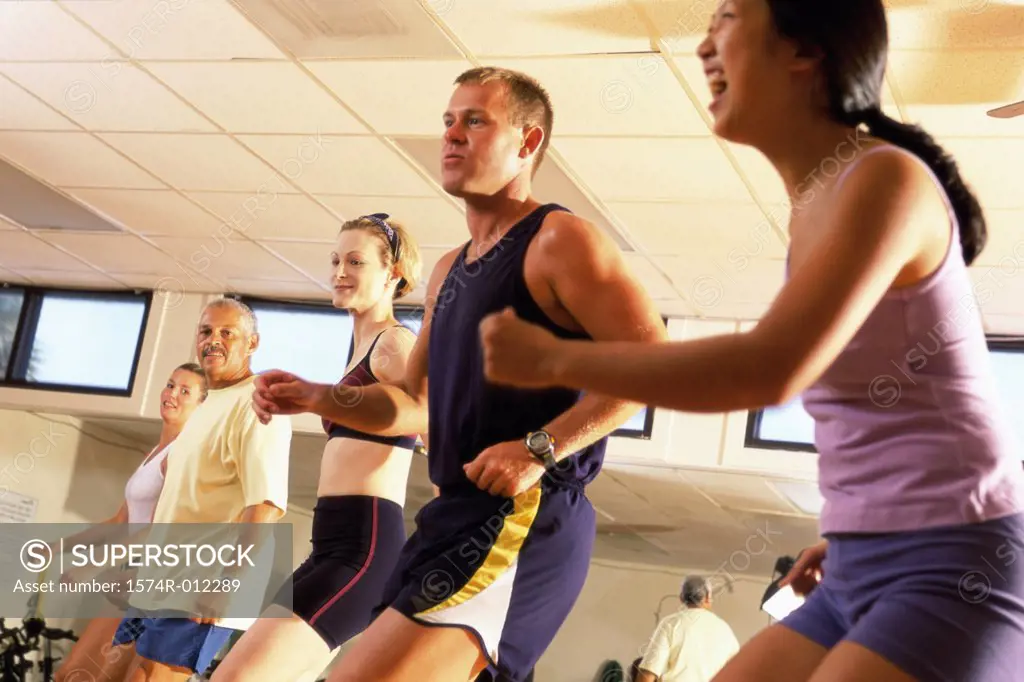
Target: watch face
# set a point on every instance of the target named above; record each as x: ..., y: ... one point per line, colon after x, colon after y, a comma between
x: 539, y: 442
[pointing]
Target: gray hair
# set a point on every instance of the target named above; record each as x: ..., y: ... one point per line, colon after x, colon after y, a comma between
x: 696, y: 589
x: 244, y: 311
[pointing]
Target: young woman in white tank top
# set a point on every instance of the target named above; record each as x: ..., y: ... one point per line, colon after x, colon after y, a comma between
x: 92, y: 657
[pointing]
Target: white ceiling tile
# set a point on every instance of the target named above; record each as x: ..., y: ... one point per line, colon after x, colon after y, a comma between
x: 736, y: 310
x: 345, y: 30
x: 766, y: 181
x: 173, y: 283
x: 614, y: 95
x: 125, y: 253
x: 70, y: 278
x: 41, y: 30
x: 955, y: 24
x: 73, y: 160
x: 108, y: 96
x: 431, y: 222
x: 205, y: 162
x: 177, y: 29
x: 949, y: 93
x: 949, y: 120
x: 271, y: 216
x: 999, y: 289
x: 710, y: 283
x: 302, y: 291
x: 991, y: 167
x: 258, y: 97
x: 323, y: 164
x: 24, y: 251
x: 21, y: 111
x: 730, y: 233
x: 150, y: 212
x: 675, y: 307
x: 1005, y: 239
x: 540, y: 27
x: 1004, y: 324
x: 652, y: 169
x: 231, y: 257
x: 736, y: 491
x: 313, y: 258
x: 426, y: 86
x: 11, y: 277
x: 655, y: 282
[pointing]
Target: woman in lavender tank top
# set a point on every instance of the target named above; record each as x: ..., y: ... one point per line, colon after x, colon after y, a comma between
x: 922, y: 480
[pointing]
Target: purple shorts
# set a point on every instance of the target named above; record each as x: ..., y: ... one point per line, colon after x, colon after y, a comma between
x: 943, y: 604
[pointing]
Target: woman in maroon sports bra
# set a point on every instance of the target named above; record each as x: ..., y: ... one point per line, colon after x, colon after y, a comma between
x: 358, y: 526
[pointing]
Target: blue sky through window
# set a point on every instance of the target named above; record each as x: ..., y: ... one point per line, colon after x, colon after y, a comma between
x: 314, y: 345
x: 86, y: 342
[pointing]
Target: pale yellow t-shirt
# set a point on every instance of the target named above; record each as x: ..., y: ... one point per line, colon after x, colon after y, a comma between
x: 691, y: 645
x: 225, y: 460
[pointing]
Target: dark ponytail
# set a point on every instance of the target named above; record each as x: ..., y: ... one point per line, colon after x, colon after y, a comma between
x: 970, y: 217
x: 852, y: 37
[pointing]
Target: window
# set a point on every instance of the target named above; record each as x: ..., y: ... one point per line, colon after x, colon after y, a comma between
x: 10, y: 314
x: 75, y: 341
x: 639, y: 425
x: 1008, y: 365
x: 312, y: 341
x: 789, y: 427
x: 411, y: 318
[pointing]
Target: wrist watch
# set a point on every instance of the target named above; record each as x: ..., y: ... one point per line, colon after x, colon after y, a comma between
x: 541, y: 445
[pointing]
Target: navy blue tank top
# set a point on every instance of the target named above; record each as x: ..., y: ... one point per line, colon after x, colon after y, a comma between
x: 467, y: 413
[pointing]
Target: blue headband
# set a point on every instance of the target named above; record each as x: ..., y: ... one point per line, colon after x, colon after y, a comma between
x: 380, y: 220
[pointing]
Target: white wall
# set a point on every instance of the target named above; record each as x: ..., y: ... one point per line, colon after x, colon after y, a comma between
x: 615, y: 617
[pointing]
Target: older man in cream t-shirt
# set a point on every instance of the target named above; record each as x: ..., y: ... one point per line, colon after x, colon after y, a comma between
x: 225, y: 467
x: 691, y: 645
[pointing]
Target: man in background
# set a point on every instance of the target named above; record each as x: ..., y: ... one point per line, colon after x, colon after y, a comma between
x: 691, y: 645
x: 224, y: 467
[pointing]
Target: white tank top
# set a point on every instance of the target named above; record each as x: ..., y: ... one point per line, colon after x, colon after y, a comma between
x: 143, y: 489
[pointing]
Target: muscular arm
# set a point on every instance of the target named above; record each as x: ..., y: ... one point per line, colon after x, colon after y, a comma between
x: 592, y: 283
x: 395, y: 409
x: 875, y: 233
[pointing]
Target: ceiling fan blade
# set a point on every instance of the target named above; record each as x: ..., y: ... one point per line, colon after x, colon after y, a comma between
x: 1008, y: 111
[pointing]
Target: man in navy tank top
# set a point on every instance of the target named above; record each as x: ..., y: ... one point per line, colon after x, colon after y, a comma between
x: 500, y: 556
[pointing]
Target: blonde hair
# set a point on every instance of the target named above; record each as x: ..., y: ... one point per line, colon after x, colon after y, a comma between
x: 528, y: 102
x: 198, y: 371
x: 408, y: 264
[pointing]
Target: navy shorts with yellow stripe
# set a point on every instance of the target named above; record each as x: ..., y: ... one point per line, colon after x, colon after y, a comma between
x: 507, y: 570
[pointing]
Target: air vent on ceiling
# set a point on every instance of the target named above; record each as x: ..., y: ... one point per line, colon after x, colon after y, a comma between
x: 329, y: 29
x: 332, y: 19
x: 27, y: 202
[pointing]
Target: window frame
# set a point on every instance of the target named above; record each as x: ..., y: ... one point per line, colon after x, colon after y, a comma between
x: 28, y: 326
x: 996, y: 343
